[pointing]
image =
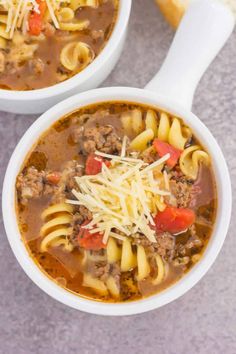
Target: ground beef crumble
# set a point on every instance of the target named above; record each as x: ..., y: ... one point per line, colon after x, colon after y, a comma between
x: 184, y: 250
x: 81, y: 215
x: 102, y: 138
x: 182, y: 190
x: 164, y: 246
x: 149, y: 155
x: 32, y: 183
x: 193, y: 243
x: 103, y: 270
x: 67, y: 182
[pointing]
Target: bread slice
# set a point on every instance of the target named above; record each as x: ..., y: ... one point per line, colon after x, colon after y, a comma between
x: 173, y: 10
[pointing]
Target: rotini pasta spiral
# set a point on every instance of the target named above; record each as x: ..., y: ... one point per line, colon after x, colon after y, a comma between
x: 132, y: 121
x: 166, y: 130
x: 113, y: 251
x: 190, y: 160
x: 65, y: 14
x: 151, y: 121
x: 74, y: 26
x: 94, y: 283
x: 173, y: 132
x: 76, y: 54
x: 113, y: 287
x: 56, y: 228
x: 161, y: 270
x: 141, y: 141
x: 101, y: 287
x: 142, y: 263
x: 130, y: 259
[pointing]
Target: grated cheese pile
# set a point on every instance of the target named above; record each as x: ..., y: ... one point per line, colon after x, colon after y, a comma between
x: 124, y: 196
x: 17, y: 13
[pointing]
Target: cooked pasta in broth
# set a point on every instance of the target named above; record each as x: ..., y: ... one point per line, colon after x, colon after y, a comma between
x: 44, y: 42
x: 116, y: 201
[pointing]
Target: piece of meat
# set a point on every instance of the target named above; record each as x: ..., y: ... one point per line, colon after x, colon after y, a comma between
x: 149, y: 155
x: 11, y: 67
x: 81, y: 215
x: 164, y: 246
x: 190, y: 246
x: 102, y: 138
x: 181, y: 261
x: 32, y: 183
x: 181, y: 191
x: 103, y: 270
x: 67, y: 182
x: 36, y: 65
x: 72, y: 170
x: 97, y: 34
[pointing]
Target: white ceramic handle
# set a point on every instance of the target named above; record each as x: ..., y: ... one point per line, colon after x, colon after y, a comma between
x: 203, y: 31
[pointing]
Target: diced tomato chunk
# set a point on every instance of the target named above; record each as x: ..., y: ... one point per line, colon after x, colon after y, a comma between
x: 53, y: 177
x: 94, y: 164
x: 174, y: 220
x: 90, y: 241
x: 36, y: 19
x: 163, y: 148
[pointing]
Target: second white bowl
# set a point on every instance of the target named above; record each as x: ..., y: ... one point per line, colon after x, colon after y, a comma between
x: 38, y: 101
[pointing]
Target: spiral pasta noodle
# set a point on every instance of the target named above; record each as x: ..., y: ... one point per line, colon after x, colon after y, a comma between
x: 173, y: 132
x: 65, y: 14
x: 76, y: 54
x: 190, y: 160
x: 167, y: 130
x: 101, y: 287
x: 142, y: 263
x: 151, y: 121
x: 94, y: 283
x: 161, y: 270
x: 132, y: 121
x: 56, y: 227
x: 129, y: 260
x: 74, y: 26
x: 141, y: 141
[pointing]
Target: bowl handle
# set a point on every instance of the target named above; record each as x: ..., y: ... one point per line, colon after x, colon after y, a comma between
x: 203, y: 31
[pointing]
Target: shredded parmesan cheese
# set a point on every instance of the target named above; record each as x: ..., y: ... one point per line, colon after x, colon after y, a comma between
x: 123, y: 198
x: 18, y: 13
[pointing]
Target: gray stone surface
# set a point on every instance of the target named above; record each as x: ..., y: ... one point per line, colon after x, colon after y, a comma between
x: 204, y: 320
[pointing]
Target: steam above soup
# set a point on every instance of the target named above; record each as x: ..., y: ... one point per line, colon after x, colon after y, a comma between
x: 44, y: 42
x: 117, y: 201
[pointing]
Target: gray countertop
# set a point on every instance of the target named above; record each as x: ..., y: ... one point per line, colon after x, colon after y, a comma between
x: 202, y: 321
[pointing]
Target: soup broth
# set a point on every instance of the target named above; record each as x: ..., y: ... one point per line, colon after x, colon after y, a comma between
x: 116, y: 201
x: 52, y: 45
